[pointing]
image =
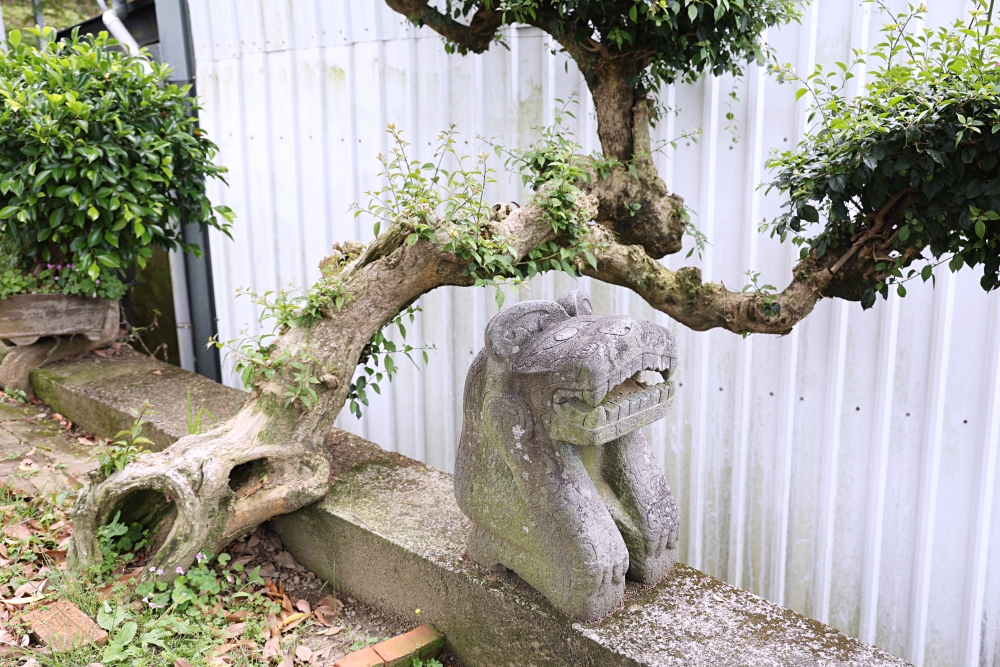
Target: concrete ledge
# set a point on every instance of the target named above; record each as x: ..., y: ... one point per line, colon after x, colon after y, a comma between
x: 99, y: 394
x: 391, y: 535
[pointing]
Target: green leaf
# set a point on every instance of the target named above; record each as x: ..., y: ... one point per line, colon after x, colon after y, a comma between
x: 900, y: 290
x: 126, y: 634
x: 800, y: 93
x: 956, y: 263
x: 692, y: 12
x: 106, y: 617
x: 94, y: 271
x: 8, y: 211
x: 980, y: 228
x: 93, y: 213
x: 109, y: 261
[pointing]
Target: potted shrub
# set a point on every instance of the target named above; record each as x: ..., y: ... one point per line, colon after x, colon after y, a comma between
x: 101, y: 161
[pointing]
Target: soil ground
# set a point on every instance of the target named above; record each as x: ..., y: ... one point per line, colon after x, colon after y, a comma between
x: 44, y: 458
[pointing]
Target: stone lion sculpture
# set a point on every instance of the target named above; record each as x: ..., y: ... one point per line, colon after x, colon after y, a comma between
x: 552, y: 468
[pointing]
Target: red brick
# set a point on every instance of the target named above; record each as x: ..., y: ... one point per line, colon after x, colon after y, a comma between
x: 62, y: 626
x: 366, y: 657
x: 424, y: 642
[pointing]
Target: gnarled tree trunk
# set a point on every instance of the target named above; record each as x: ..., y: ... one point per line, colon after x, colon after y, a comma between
x: 272, y: 457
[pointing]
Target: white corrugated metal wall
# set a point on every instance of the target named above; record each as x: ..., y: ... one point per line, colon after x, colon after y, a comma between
x: 847, y: 470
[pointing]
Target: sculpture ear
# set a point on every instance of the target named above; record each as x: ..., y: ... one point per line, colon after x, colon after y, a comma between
x: 510, y: 330
x: 576, y: 303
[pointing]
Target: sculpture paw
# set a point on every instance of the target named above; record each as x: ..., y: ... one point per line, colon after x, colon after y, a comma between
x: 614, y: 574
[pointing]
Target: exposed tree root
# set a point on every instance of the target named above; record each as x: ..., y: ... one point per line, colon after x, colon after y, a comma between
x: 218, y: 485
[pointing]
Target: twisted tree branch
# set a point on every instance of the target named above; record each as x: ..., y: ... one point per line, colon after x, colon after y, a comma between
x: 476, y: 37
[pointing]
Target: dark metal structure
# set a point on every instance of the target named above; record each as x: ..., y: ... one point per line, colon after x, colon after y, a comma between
x: 163, y: 27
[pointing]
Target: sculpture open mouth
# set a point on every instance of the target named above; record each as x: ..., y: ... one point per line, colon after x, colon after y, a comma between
x: 626, y: 407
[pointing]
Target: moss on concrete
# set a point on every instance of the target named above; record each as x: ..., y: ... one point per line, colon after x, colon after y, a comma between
x: 392, y: 536
x: 100, y: 394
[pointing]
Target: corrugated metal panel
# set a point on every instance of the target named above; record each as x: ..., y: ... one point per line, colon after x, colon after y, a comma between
x: 848, y: 470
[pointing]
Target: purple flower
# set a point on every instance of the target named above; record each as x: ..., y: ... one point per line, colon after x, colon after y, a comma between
x: 199, y: 557
x: 152, y: 568
x: 180, y: 570
x: 57, y: 278
x: 159, y: 572
x: 49, y: 265
x: 97, y: 282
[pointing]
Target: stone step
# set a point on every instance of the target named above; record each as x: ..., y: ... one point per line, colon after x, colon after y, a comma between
x: 100, y: 395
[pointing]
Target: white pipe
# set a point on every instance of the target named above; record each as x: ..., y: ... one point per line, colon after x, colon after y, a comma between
x: 182, y: 310
x: 124, y: 37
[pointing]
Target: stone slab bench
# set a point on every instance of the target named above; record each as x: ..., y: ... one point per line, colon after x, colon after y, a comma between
x: 99, y: 394
x: 390, y: 534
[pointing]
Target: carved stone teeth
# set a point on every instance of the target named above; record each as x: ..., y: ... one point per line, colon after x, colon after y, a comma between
x: 650, y: 361
x: 596, y: 417
x: 646, y: 397
x: 611, y: 410
x: 624, y: 407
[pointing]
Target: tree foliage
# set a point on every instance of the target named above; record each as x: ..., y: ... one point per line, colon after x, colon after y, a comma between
x: 100, y: 160
x: 666, y: 40
x: 908, y: 170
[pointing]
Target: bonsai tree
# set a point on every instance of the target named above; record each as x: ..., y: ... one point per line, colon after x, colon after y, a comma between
x: 905, y: 173
x: 100, y: 162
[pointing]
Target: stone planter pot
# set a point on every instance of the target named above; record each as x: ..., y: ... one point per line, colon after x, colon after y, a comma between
x: 27, y: 317
x: 40, y: 328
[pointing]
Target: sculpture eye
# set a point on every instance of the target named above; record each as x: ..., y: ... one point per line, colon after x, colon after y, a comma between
x: 565, y: 334
x: 616, y: 327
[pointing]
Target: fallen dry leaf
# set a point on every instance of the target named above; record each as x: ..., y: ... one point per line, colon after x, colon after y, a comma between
x: 17, y: 531
x: 27, y: 465
x: 287, y: 561
x: 329, y: 632
x: 56, y: 554
x: 3, y: 551
x: 321, y: 618
x: 303, y: 653
x: 235, y: 630
x: 286, y: 604
x: 220, y: 650
x: 236, y: 616
x: 86, y: 442
x: 286, y: 661
x: 181, y: 662
x: 272, y: 647
x: 303, y: 606
x: 95, y: 664
x: 323, y: 653
x: 292, y: 621
x: 253, y: 489
x: 101, y: 353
